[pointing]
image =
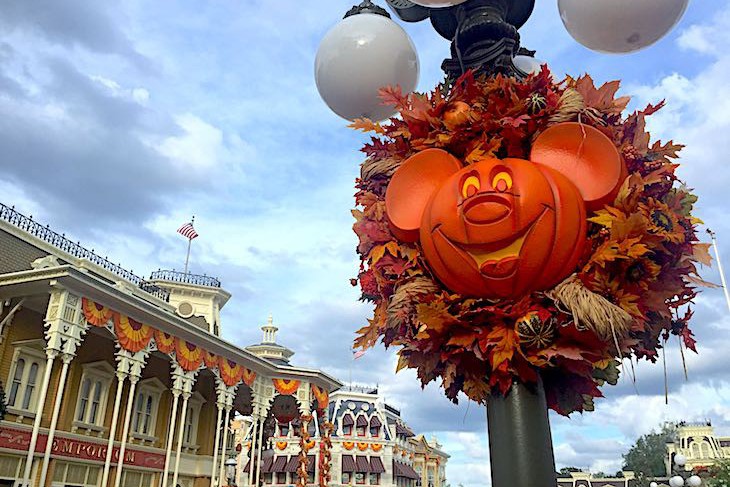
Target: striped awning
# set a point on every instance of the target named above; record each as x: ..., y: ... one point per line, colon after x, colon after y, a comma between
x: 292, y: 464
x: 266, y: 464
x: 348, y: 463
x: 279, y: 465
x: 362, y: 464
x: 376, y: 465
x: 404, y: 471
x: 401, y: 430
x: 347, y: 420
x: 375, y: 422
x: 361, y: 421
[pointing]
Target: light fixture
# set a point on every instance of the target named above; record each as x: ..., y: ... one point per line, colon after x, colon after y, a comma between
x: 363, y: 53
x: 528, y: 64
x: 676, y: 481
x: 231, y: 470
x: 680, y: 460
x: 437, y: 3
x: 653, y: 484
x: 619, y: 26
x: 694, y: 481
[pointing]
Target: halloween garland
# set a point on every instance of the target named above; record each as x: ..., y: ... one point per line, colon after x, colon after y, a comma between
x: 325, y: 451
x: 509, y: 228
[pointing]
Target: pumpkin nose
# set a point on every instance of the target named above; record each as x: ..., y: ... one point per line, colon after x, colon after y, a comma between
x: 486, y: 209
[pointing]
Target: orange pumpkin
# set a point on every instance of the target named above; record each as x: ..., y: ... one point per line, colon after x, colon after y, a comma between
x: 504, y: 228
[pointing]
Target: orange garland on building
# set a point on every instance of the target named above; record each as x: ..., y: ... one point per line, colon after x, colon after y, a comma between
x: 95, y: 313
x: 165, y: 342
x: 281, y: 445
x: 348, y: 445
x: 210, y: 359
x: 230, y: 371
x: 286, y: 387
x: 376, y: 447
x: 325, y: 454
x: 362, y: 445
x: 188, y: 355
x: 132, y: 335
x: 248, y: 376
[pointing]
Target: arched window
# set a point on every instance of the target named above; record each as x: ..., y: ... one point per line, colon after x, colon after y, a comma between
x: 361, y: 425
x: 695, y: 449
x: 706, y: 450
x: 26, y: 369
x: 375, y: 426
x: 347, y: 424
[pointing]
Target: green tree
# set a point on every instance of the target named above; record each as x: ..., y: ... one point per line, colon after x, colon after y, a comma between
x: 646, y: 456
x: 565, y: 471
x: 719, y: 474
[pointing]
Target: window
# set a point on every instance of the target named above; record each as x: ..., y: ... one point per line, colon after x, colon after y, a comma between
x: 347, y: 429
x: 26, y: 371
x: 11, y: 467
x: 374, y: 479
x: 267, y: 478
x: 346, y: 477
x: 93, y: 394
x: 76, y: 474
x: 190, y: 435
x: 374, y: 431
x: 360, y: 478
x: 361, y: 430
x: 280, y: 477
x: 283, y: 429
x: 130, y: 478
x: 145, y: 409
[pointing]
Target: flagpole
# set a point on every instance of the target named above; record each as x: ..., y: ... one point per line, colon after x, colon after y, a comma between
x: 190, y: 241
x: 719, y: 267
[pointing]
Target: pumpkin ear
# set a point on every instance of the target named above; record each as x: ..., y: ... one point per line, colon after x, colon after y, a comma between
x: 411, y: 187
x: 586, y: 157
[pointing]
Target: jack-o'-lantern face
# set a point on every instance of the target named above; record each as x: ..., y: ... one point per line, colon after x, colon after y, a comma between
x: 504, y: 228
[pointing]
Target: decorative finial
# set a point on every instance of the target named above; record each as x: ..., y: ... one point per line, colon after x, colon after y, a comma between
x: 271, y: 319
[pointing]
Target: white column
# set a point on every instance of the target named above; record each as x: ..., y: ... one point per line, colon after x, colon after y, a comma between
x: 180, y: 436
x: 54, y: 416
x: 121, y: 377
x: 215, y: 444
x: 170, y: 435
x: 259, y: 448
x: 222, y: 461
x: 52, y: 354
x: 125, y: 429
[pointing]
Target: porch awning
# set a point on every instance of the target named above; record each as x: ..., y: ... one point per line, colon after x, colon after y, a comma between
x: 266, y: 465
x: 361, y: 421
x: 292, y: 464
x: 376, y: 465
x: 404, y: 471
x: 279, y: 465
x: 347, y: 420
x: 375, y: 422
x: 401, y: 430
x: 362, y: 464
x: 348, y: 463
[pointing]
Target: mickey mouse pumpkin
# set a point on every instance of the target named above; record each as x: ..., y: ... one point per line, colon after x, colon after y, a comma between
x: 504, y: 228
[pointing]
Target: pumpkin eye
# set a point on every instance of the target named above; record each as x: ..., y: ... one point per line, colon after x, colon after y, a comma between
x: 502, y: 182
x: 470, y: 186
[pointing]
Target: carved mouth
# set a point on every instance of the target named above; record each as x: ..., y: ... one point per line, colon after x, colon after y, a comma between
x: 497, y: 260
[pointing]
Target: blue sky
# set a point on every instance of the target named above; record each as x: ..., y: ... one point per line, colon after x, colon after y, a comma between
x: 120, y: 120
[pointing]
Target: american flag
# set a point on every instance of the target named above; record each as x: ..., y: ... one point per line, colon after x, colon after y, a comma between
x: 187, y: 231
x: 356, y: 354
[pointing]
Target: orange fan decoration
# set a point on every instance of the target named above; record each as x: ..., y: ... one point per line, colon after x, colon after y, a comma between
x: 210, y: 359
x: 286, y: 387
x: 230, y: 371
x: 376, y: 447
x: 165, y: 342
x: 281, y: 445
x: 189, y: 355
x: 133, y: 336
x: 248, y: 376
x: 348, y: 445
x: 362, y: 445
x: 95, y: 313
x: 322, y: 396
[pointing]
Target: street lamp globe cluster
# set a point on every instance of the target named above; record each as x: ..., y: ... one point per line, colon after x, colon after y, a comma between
x: 367, y: 50
x: 679, y: 480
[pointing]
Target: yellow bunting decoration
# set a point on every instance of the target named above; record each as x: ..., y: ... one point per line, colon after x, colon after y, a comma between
x: 348, y: 445
x: 133, y: 336
x: 286, y: 387
x: 248, y: 376
x: 230, y: 371
x: 188, y: 355
x: 165, y: 341
x: 95, y: 313
x: 210, y: 359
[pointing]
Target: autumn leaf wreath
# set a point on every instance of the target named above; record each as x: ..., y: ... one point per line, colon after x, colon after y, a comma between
x: 639, y: 262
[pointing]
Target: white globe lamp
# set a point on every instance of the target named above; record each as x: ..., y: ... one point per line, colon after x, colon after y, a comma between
x: 620, y: 26
x: 437, y: 3
x: 694, y: 481
x: 680, y: 460
x: 676, y: 481
x: 363, y: 53
x: 527, y: 64
x: 653, y: 484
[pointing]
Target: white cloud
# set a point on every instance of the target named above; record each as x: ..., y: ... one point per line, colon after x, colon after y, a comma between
x: 199, y: 147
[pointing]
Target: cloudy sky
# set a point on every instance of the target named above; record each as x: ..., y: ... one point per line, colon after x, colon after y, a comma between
x: 120, y: 120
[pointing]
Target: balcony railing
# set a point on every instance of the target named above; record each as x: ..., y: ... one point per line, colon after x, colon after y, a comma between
x: 185, y: 277
x: 30, y: 226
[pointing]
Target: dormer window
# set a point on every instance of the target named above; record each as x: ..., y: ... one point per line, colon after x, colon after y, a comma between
x: 361, y: 425
x: 347, y: 424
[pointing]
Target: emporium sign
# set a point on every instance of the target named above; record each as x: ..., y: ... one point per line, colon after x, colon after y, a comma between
x: 16, y: 439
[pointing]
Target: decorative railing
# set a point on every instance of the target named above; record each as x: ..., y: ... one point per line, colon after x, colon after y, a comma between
x: 30, y: 226
x: 185, y: 277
